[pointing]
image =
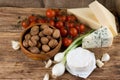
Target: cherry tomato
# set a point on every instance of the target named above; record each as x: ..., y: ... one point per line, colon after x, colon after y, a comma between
x: 70, y: 24
x: 66, y: 42
x: 62, y: 18
x: 52, y: 23
x: 71, y: 18
x: 41, y: 21
x: 59, y: 24
x: 73, y: 32
x: 63, y: 32
x: 50, y: 13
x: 25, y: 23
x: 77, y: 26
x: 82, y: 28
x: 57, y: 11
x: 32, y: 18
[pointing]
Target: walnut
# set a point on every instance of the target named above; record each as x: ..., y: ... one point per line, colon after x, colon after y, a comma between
x: 45, y: 48
x: 49, y: 37
x: 41, y: 34
x: 38, y: 44
x: 25, y: 43
x: 53, y: 43
x: 43, y: 26
x: 35, y: 37
x: 34, y: 30
x: 56, y: 34
x: 32, y: 43
x: 27, y: 36
x: 47, y: 31
x: 34, y: 50
x: 44, y: 40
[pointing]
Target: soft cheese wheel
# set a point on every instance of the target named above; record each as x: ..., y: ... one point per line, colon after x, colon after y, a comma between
x: 80, y: 62
x: 78, y: 58
x: 99, y: 38
x: 86, y: 16
x: 104, y: 16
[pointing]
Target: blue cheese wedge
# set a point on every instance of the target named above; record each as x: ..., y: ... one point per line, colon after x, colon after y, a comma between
x: 99, y: 38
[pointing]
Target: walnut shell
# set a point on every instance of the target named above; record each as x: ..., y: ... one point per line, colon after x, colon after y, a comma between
x: 47, y: 31
x: 25, y: 43
x: 34, y: 50
x: 41, y: 34
x: 56, y: 34
x: 34, y: 30
x: 43, y: 26
x: 45, y: 48
x: 53, y: 43
x: 44, y: 40
x: 27, y: 36
x: 35, y: 37
x: 32, y: 43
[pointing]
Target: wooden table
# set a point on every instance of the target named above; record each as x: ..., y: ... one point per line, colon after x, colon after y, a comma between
x: 14, y: 65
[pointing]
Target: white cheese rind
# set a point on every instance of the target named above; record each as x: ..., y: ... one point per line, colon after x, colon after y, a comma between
x: 80, y: 62
x: 99, y: 38
x: 104, y: 16
x: 85, y: 16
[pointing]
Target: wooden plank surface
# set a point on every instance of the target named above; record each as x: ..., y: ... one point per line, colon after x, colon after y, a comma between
x: 14, y: 65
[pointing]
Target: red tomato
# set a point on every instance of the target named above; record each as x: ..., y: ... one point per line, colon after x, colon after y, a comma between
x: 62, y: 18
x: 57, y: 11
x: 41, y: 21
x: 73, y: 32
x: 25, y: 23
x: 32, y: 18
x: 59, y: 24
x: 70, y: 24
x: 50, y: 13
x: 52, y: 23
x: 82, y: 28
x: 71, y: 18
x: 63, y: 32
x: 66, y: 42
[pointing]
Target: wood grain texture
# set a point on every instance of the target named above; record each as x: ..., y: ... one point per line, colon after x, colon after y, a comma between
x: 14, y: 65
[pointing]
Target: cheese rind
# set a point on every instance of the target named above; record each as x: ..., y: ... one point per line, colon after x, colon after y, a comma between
x: 85, y: 16
x: 99, y: 38
x: 104, y: 16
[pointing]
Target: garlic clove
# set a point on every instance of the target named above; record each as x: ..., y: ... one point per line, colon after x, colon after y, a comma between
x: 59, y: 57
x: 105, y: 57
x: 58, y: 70
x: 99, y: 63
x: 46, y: 77
x: 49, y: 63
x: 15, y: 45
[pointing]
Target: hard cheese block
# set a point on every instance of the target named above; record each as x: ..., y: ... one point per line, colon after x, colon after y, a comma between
x: 99, y: 38
x: 85, y: 16
x: 104, y: 16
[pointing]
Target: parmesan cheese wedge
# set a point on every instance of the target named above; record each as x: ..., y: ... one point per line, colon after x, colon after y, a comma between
x: 104, y: 16
x: 85, y: 16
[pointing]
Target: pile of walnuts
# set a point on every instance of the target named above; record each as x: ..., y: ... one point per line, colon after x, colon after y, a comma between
x: 41, y: 39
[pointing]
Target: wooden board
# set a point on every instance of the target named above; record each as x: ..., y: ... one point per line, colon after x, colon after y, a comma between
x: 14, y: 65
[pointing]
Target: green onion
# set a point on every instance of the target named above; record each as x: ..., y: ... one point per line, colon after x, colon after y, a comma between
x: 75, y: 44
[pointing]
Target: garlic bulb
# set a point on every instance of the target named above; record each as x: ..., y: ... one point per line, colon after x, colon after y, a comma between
x: 46, y: 77
x: 59, y: 57
x: 99, y: 63
x: 105, y: 57
x: 58, y: 70
x: 48, y: 64
x: 15, y: 45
